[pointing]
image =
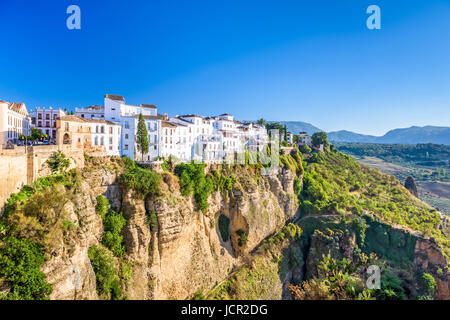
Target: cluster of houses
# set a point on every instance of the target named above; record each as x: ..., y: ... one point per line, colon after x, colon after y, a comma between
x: 114, y: 127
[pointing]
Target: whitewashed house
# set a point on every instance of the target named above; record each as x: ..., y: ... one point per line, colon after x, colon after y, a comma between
x: 304, y: 139
x: 14, y: 121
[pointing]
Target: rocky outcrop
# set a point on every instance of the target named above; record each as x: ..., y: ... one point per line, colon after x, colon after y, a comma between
x: 410, y: 184
x: 336, y: 243
x: 187, y: 252
x: 69, y: 270
x: 429, y: 258
x: 184, y: 252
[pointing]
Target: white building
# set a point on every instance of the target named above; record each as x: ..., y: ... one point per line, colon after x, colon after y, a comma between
x: 92, y: 112
x: 14, y: 121
x: 45, y: 120
x: 185, y: 137
x: 290, y: 138
x: 254, y: 135
x: 304, y: 139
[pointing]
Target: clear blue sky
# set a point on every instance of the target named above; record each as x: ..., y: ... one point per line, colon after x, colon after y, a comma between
x: 312, y: 61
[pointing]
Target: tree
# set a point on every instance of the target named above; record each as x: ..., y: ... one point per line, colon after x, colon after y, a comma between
x: 319, y: 138
x: 305, y: 149
x: 428, y: 284
x: 261, y: 122
x: 36, y: 134
x: 141, y: 137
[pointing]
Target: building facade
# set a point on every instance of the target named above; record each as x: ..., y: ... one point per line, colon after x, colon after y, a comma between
x: 14, y: 121
x: 92, y: 112
x: 45, y: 120
x: 84, y: 133
x: 304, y: 139
x: 186, y: 137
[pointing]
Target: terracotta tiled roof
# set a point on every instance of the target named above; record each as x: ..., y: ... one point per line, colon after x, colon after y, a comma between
x: 151, y: 106
x: 190, y: 116
x: 114, y: 97
x: 167, y: 124
x: 16, y: 107
x: 157, y: 117
x: 85, y: 120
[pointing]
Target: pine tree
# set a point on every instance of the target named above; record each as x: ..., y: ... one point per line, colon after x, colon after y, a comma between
x: 141, y: 136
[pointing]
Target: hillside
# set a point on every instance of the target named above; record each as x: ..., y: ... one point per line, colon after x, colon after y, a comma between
x: 427, y: 163
x: 412, y: 135
x: 351, y: 217
x: 179, y: 231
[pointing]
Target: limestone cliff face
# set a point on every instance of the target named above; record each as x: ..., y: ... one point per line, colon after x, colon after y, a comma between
x: 69, y: 269
x: 429, y: 258
x: 185, y: 252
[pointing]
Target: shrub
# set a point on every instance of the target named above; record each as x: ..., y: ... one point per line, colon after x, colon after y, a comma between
x: 224, y: 223
x: 112, y: 238
x: 20, y: 263
x: 103, y: 263
x: 305, y: 149
x: 58, y: 162
x: 152, y: 219
x: 102, y: 206
x: 193, y: 181
x: 428, y: 284
x: 391, y: 288
x: 243, y: 239
x: 144, y: 181
x: 198, y: 296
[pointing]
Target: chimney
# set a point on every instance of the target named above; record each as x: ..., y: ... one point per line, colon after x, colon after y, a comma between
x: 166, y: 117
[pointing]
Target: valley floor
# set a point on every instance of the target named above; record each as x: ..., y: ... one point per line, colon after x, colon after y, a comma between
x: 436, y: 194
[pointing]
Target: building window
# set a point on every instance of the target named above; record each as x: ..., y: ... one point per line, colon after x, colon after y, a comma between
x: 110, y: 140
x: 127, y: 126
x: 102, y: 141
x: 96, y: 141
x: 125, y: 147
x: 110, y: 130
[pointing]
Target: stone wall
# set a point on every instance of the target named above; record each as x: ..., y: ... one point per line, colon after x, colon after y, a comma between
x: 23, y: 165
x: 13, y: 172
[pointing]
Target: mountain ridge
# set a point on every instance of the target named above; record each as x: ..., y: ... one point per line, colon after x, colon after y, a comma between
x: 411, y: 135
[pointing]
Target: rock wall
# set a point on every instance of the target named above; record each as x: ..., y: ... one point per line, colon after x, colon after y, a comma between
x: 185, y: 252
x: 430, y: 259
x: 23, y: 165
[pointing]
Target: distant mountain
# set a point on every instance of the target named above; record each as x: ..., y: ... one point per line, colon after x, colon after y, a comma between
x: 348, y: 136
x: 297, y: 126
x: 412, y: 135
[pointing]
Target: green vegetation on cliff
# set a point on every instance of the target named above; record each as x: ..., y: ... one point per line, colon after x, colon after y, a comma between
x: 20, y: 263
x: 106, y: 273
x: 193, y: 181
x: 144, y: 181
x: 335, y: 184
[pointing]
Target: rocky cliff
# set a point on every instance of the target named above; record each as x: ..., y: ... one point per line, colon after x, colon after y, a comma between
x: 250, y: 242
x: 185, y: 253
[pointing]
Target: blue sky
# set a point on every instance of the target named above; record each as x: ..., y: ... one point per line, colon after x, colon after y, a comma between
x: 312, y: 61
